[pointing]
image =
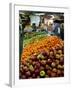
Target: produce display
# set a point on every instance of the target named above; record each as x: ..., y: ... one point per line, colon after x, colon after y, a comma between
x: 33, y: 37
x: 42, y: 58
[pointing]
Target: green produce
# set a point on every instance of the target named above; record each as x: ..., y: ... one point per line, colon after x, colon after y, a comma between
x: 31, y: 68
x: 42, y: 73
x: 40, y: 56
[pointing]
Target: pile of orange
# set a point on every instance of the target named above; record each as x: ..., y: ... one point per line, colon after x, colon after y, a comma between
x: 45, y: 43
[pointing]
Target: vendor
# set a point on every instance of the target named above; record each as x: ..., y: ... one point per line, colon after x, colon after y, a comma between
x: 56, y: 27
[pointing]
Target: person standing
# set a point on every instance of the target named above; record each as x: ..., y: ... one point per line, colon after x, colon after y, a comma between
x: 56, y: 28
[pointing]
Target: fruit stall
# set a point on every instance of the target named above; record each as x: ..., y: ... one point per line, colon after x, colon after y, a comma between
x: 42, y: 55
x: 43, y: 58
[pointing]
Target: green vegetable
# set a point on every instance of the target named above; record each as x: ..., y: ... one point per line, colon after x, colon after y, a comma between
x: 32, y: 38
